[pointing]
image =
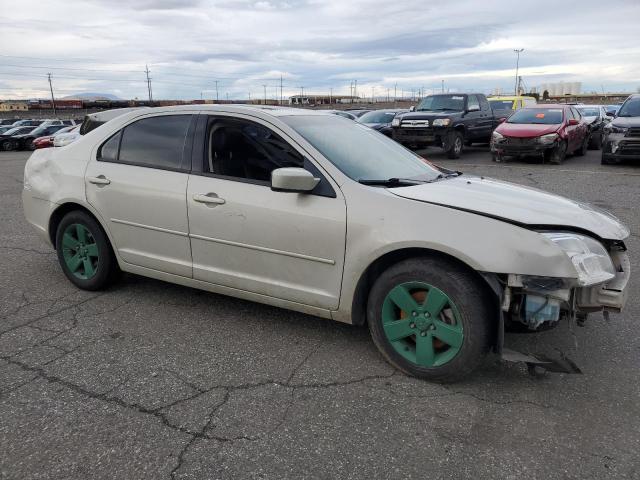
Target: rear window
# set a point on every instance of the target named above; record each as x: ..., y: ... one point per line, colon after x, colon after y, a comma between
x: 501, y: 104
x: 539, y: 116
x: 156, y: 142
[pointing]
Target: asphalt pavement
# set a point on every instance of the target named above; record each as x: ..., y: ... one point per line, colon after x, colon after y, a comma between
x: 149, y: 380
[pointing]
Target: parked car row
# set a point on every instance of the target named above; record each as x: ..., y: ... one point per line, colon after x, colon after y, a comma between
x: 512, y: 126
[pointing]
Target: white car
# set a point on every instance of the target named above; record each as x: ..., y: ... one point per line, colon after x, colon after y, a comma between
x: 68, y: 136
x: 325, y: 216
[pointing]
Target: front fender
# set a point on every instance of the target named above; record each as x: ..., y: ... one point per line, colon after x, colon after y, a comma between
x: 378, y: 226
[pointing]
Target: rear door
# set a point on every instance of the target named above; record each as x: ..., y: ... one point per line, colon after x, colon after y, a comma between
x: 137, y: 181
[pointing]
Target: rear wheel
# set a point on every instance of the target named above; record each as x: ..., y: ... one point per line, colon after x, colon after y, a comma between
x: 596, y: 140
x: 456, y: 142
x: 430, y: 318
x: 84, y: 252
x: 7, y: 145
x: 582, y: 149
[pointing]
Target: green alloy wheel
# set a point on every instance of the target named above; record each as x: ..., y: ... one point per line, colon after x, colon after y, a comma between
x: 422, y: 324
x: 80, y: 251
x: 84, y: 251
x: 432, y: 318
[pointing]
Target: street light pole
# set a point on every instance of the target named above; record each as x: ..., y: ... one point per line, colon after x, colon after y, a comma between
x: 517, y: 51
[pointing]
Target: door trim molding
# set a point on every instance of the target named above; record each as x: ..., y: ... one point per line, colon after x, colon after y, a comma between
x: 150, y: 227
x: 264, y: 249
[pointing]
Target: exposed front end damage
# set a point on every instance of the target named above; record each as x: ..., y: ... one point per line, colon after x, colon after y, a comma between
x: 533, y: 303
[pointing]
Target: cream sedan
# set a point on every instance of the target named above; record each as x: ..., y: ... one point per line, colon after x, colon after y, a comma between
x: 319, y: 214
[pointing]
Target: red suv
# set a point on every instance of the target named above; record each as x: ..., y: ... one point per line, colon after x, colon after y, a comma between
x: 550, y: 131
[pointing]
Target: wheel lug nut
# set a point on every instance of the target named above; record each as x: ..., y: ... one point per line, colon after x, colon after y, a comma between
x: 427, y: 314
x: 432, y: 327
x: 412, y: 325
x: 415, y: 314
x: 423, y: 334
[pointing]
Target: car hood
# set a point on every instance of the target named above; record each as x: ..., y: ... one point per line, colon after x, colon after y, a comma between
x: 626, y: 122
x: 526, y: 130
x: 376, y: 125
x: 516, y: 204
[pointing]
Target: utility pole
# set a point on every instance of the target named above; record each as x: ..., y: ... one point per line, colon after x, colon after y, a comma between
x: 372, y: 97
x: 330, y: 95
x: 280, y: 89
x: 387, y: 94
x: 518, y: 51
x: 53, y: 100
x: 227, y: 94
x: 146, y: 70
x: 355, y: 88
x: 395, y: 92
x: 217, y: 91
x: 264, y: 85
x: 442, y: 86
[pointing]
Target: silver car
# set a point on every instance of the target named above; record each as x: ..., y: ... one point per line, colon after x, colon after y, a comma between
x: 322, y: 215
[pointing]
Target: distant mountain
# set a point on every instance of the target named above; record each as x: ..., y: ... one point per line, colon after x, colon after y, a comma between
x: 91, y: 96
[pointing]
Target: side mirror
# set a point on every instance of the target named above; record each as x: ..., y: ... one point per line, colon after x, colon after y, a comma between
x: 611, y: 114
x: 293, y: 179
x: 502, y: 119
x: 412, y: 108
x: 573, y: 121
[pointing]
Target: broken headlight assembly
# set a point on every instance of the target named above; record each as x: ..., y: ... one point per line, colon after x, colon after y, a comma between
x: 547, y: 139
x: 591, y: 260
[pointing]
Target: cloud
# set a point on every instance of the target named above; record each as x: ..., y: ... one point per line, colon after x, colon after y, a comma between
x: 318, y: 44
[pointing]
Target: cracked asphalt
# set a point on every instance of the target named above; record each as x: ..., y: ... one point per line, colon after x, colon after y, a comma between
x: 149, y: 380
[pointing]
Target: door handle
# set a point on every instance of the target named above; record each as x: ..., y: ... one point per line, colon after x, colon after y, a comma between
x: 99, y: 180
x: 209, y: 199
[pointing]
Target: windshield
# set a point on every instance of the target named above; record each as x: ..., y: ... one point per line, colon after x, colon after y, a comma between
x: 442, y: 102
x: 15, y: 130
x: 501, y: 104
x: 377, y: 117
x: 630, y: 108
x: 360, y: 152
x: 539, y: 116
x: 589, y: 111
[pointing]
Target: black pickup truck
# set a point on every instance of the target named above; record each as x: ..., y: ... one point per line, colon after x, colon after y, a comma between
x: 448, y: 120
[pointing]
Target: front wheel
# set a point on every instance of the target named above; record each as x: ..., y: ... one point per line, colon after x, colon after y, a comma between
x: 7, y: 145
x: 454, y: 149
x: 557, y: 154
x: 582, y: 150
x: 84, y: 252
x: 430, y: 318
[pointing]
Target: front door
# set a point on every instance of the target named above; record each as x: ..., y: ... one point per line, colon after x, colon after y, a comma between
x: 138, y: 182
x: 244, y: 235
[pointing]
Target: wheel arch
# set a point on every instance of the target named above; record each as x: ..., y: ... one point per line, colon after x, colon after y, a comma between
x: 367, y: 278
x: 58, y: 214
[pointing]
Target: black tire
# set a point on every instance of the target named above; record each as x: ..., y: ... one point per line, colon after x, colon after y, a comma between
x: 557, y: 154
x: 29, y: 145
x: 106, y: 266
x: 582, y: 149
x: 455, y: 146
x: 595, y: 142
x: 7, y: 145
x: 472, y: 302
x: 607, y: 159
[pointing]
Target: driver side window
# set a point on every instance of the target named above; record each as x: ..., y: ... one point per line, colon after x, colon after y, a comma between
x: 472, y: 103
x: 245, y: 150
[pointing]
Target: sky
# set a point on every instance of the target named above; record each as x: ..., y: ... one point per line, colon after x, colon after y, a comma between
x: 316, y: 46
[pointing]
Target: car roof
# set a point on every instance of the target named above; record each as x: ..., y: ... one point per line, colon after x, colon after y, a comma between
x: 507, y: 97
x: 549, y: 105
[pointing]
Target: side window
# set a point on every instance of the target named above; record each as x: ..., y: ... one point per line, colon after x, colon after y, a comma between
x: 484, y: 104
x: 472, y: 102
x: 569, y: 113
x: 155, y: 142
x: 576, y: 113
x: 246, y: 150
x: 109, y: 150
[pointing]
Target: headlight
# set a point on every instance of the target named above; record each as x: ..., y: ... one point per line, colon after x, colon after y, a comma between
x: 441, y: 122
x: 615, y: 129
x: 547, y: 139
x: 395, y: 122
x: 589, y: 257
x: 497, y: 137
